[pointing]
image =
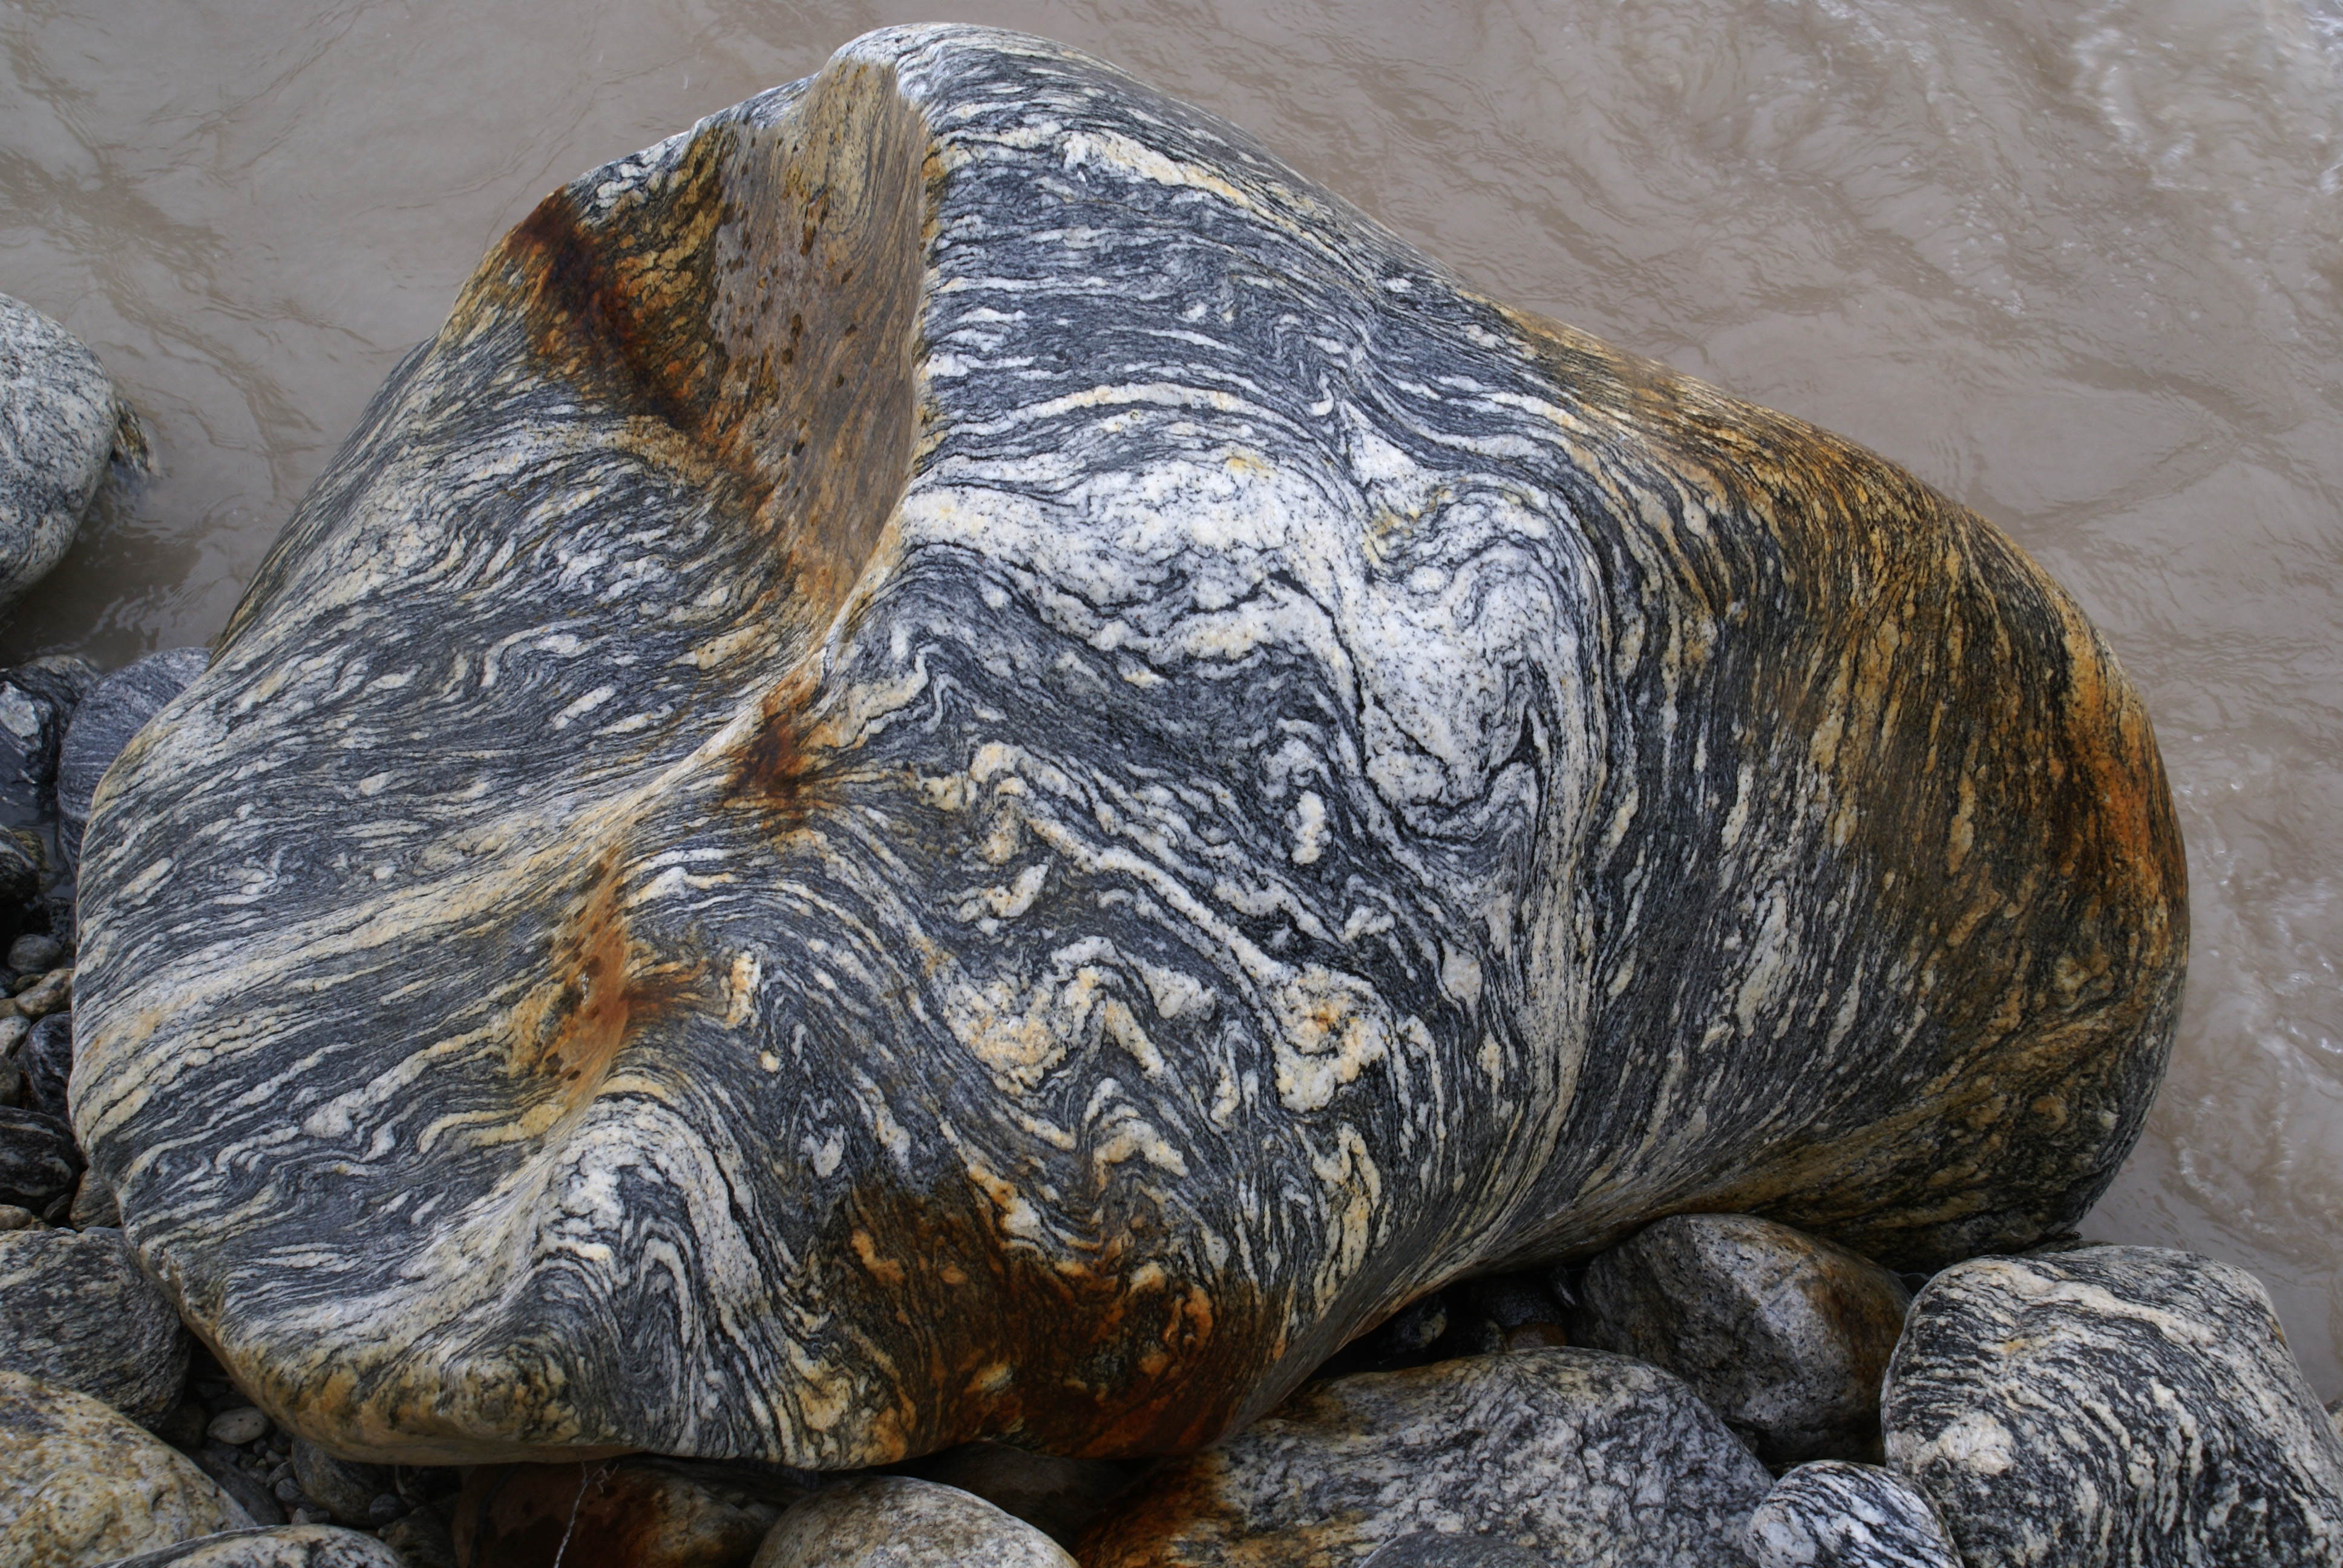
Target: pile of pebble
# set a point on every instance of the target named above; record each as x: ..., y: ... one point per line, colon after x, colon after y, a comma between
x: 1717, y: 1390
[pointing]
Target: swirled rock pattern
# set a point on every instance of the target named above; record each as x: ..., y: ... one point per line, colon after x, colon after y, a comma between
x: 75, y: 1311
x: 1784, y: 1336
x: 2113, y: 1404
x: 1833, y: 1514
x: 964, y: 763
x: 1577, y: 1456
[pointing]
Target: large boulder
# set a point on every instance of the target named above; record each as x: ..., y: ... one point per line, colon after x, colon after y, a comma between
x: 60, y: 423
x: 80, y: 1485
x: 2118, y: 1405
x: 1580, y: 1456
x: 964, y: 763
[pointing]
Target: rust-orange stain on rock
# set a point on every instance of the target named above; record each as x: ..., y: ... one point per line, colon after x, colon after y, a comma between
x: 601, y: 986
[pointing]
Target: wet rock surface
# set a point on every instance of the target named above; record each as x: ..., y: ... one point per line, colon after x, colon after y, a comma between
x: 285, y: 1547
x: 60, y: 421
x: 1582, y: 1456
x: 79, y: 1484
x: 894, y: 1522
x: 1833, y: 1514
x: 76, y: 1312
x: 2115, y: 1405
x: 1784, y: 1335
x: 965, y: 832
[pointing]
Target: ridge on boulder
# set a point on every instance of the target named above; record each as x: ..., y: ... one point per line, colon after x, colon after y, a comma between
x: 964, y: 763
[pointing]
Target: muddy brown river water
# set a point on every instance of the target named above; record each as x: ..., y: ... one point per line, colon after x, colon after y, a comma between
x: 2075, y: 263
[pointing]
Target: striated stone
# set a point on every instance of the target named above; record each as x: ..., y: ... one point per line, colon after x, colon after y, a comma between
x: 45, y: 1058
x: 1056, y: 1496
x: 894, y: 1522
x: 52, y: 992
x: 2113, y: 1404
x: 639, y: 1513
x: 856, y: 828
x: 94, y: 1206
x: 39, y: 1161
x: 75, y: 1311
x: 347, y: 1488
x: 1583, y: 1456
x: 283, y: 1547
x: 79, y: 1484
x: 232, y: 1472
x: 1431, y: 1549
x: 1833, y: 1514
x: 113, y: 713
x: 1785, y: 1336
x: 60, y: 422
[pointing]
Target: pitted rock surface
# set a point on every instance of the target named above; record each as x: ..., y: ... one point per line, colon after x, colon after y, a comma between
x: 1785, y: 1336
x: 75, y: 1311
x: 2113, y: 1404
x: 1833, y: 1514
x: 1583, y: 1456
x: 964, y: 763
x: 59, y: 420
x: 893, y: 1521
x: 283, y: 1547
x: 80, y: 1485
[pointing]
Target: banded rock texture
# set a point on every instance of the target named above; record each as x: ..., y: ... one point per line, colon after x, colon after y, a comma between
x: 964, y: 763
x: 1833, y: 1514
x: 1784, y: 1336
x: 1579, y: 1457
x: 75, y: 1311
x: 2124, y: 1405
x: 894, y: 1522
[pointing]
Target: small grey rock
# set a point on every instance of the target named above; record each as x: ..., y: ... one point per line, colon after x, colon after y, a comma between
x: 237, y: 1426
x: 105, y: 722
x: 386, y: 1507
x: 894, y: 1522
x: 2113, y: 1404
x: 224, y: 1465
x: 283, y: 1546
x: 2334, y: 1416
x: 34, y: 950
x: 1584, y: 1457
x: 1785, y: 1335
x: 1056, y: 1496
x: 45, y: 1058
x: 75, y: 1311
x: 347, y: 1490
x: 93, y: 1205
x: 38, y: 1161
x: 59, y: 417
x: 15, y: 1218
x: 421, y: 1539
x: 1831, y: 1515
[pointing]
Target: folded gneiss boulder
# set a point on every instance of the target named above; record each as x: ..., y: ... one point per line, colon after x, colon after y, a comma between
x: 964, y: 763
